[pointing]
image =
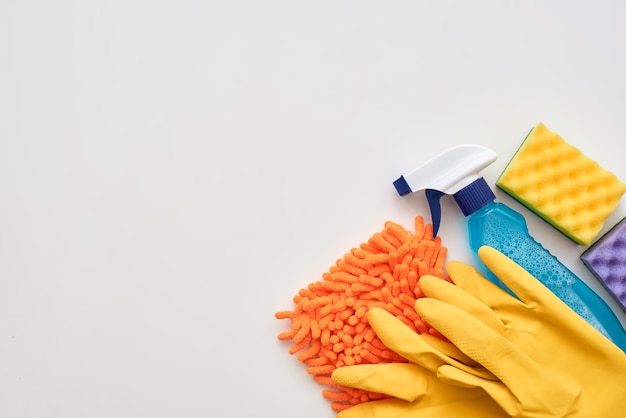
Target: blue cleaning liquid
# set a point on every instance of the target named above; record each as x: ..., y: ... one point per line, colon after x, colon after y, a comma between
x: 504, y: 229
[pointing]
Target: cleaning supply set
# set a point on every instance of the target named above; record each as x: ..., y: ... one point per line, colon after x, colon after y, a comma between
x: 456, y: 172
x: 393, y: 334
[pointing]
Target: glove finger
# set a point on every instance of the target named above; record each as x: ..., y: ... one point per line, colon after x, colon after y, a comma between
x: 401, y: 380
x: 385, y: 408
x: 526, y: 287
x: 515, y: 369
x: 472, y: 281
x: 447, y: 349
x: 405, y: 381
x: 398, y: 337
x: 455, y: 295
x: 495, y: 389
x: 469, y: 334
x: 549, y: 405
x: 452, y: 402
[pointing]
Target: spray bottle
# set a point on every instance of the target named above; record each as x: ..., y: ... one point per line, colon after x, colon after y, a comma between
x: 456, y: 172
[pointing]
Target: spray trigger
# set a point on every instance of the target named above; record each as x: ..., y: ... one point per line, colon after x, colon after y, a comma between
x: 434, y: 203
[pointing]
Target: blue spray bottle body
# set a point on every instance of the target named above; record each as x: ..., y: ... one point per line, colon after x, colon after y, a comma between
x: 455, y: 172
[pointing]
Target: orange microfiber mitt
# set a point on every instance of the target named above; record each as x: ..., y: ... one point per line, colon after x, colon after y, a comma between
x: 329, y: 324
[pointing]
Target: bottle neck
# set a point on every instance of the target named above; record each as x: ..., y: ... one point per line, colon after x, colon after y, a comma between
x: 474, y: 196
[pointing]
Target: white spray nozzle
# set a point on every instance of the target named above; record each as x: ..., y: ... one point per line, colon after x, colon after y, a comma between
x: 448, y: 173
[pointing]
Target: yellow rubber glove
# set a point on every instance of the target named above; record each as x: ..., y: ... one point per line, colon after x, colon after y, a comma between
x: 416, y: 389
x: 549, y: 362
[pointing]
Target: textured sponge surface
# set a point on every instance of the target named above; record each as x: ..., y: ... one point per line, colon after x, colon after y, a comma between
x: 558, y: 182
x: 607, y: 261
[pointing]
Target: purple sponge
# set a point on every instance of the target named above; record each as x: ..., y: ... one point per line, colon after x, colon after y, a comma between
x: 607, y: 261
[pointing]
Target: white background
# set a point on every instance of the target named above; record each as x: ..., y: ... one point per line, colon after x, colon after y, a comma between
x: 173, y: 172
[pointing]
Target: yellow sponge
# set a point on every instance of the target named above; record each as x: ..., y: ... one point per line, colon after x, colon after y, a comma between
x: 563, y: 186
